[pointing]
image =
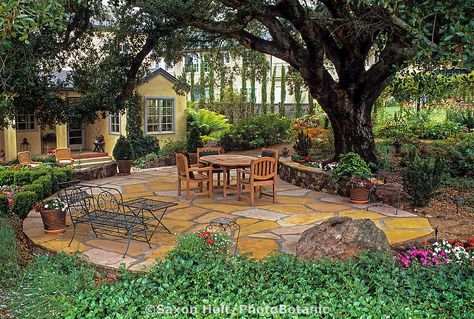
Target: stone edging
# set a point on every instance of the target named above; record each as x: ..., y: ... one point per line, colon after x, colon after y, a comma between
x: 310, y: 177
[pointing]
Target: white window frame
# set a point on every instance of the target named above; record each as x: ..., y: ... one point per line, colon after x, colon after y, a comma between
x: 160, y: 132
x: 195, y: 60
x: 27, y: 122
x: 111, y: 125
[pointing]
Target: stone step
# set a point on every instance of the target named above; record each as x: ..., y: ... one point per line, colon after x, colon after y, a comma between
x: 88, y: 162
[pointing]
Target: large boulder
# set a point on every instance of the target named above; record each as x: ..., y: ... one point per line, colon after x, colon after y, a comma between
x: 341, y: 238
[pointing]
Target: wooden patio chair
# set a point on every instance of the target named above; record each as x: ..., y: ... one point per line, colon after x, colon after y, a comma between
x: 262, y: 172
x: 64, y: 157
x: 204, y: 151
x: 25, y: 159
x: 193, y: 174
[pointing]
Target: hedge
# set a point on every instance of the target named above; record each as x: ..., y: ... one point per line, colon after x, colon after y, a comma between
x: 23, y: 202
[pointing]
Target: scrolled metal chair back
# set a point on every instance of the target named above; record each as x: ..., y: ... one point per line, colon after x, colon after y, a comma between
x: 109, y: 199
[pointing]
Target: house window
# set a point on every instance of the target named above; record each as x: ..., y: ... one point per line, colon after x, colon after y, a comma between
x: 26, y: 122
x: 114, y: 123
x: 191, y: 61
x: 226, y: 58
x: 159, y: 115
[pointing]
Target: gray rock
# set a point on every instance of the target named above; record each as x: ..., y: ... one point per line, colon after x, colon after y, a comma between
x: 341, y: 238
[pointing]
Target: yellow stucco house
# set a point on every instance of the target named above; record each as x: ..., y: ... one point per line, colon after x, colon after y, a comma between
x: 163, y: 117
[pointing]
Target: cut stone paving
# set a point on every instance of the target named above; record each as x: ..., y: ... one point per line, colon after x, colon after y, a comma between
x: 266, y: 228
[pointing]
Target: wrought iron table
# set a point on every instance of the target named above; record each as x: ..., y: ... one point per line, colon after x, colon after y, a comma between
x: 153, y: 207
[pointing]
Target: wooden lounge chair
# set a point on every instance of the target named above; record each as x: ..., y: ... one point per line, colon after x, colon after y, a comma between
x: 25, y: 159
x: 262, y: 172
x: 193, y: 174
x: 204, y: 151
x: 64, y: 157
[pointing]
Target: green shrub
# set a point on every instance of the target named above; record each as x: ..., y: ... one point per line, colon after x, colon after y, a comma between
x: 207, y: 122
x: 256, y: 131
x: 439, y: 131
x: 22, y: 177
x: 464, y: 117
x: 7, y: 177
x: 151, y: 157
x: 23, y: 202
x: 173, y: 147
x: 422, y: 177
x: 46, y: 182
x: 351, y: 165
x: 303, y: 144
x: 35, y: 174
x: 193, y: 141
x: 4, y: 206
x: 143, y: 145
x: 122, y: 149
x: 37, y: 188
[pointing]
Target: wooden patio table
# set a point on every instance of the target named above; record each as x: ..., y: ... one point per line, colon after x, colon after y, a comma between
x: 227, y: 162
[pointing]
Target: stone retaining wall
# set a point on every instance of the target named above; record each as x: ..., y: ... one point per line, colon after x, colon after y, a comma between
x: 96, y: 172
x: 310, y: 177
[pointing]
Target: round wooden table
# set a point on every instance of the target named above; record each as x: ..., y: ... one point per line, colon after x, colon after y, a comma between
x: 227, y: 162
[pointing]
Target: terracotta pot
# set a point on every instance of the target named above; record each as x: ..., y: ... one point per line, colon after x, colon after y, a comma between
x: 360, y: 195
x: 124, y: 166
x: 54, y: 221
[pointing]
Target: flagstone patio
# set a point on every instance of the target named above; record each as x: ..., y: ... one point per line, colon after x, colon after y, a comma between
x: 265, y: 228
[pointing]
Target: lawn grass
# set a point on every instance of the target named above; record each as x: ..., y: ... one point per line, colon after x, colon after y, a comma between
x: 437, y: 115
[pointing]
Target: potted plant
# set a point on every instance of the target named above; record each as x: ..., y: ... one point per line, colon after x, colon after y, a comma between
x: 298, y: 159
x: 53, y: 214
x: 360, y: 187
x: 123, y: 155
x: 351, y: 167
x: 303, y: 144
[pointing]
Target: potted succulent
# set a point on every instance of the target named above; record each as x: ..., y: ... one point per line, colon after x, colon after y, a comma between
x: 53, y: 214
x: 298, y: 159
x: 360, y: 187
x: 123, y: 155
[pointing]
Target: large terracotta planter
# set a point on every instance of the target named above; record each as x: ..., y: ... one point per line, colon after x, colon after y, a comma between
x: 54, y: 221
x: 124, y: 167
x: 360, y: 195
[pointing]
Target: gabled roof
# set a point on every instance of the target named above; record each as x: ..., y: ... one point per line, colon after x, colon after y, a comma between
x: 162, y: 72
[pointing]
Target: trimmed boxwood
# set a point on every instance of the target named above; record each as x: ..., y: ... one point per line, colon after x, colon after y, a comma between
x: 36, y: 188
x: 46, y: 183
x: 34, y: 175
x: 23, y: 202
x: 6, y: 177
x: 22, y: 177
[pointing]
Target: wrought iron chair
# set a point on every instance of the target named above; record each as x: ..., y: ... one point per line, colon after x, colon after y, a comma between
x: 25, y: 159
x: 192, y: 174
x: 64, y: 157
x: 103, y: 209
x: 263, y: 172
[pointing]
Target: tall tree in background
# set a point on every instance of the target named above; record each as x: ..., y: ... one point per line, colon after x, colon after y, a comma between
x: 264, y: 93
x: 310, y: 104
x: 253, y: 97
x: 298, y: 94
x: 272, y: 91
x: 211, y: 81
x: 202, y: 81
x: 282, y: 91
x: 192, y: 83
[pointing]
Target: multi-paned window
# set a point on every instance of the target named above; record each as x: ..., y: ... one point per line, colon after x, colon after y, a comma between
x: 114, y: 123
x: 191, y: 62
x: 26, y: 122
x: 159, y: 115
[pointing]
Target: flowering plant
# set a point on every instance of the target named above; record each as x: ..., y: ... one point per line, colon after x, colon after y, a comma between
x: 362, y: 182
x: 310, y: 126
x: 51, y: 152
x: 438, y: 253
x: 49, y: 204
x: 9, y: 191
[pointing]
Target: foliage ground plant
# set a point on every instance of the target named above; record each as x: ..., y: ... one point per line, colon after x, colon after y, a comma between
x: 123, y: 149
x: 373, y: 285
x: 352, y: 166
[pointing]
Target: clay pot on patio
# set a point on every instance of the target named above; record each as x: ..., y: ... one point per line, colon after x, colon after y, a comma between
x: 360, y: 195
x: 169, y: 161
x: 54, y: 221
x: 124, y: 166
